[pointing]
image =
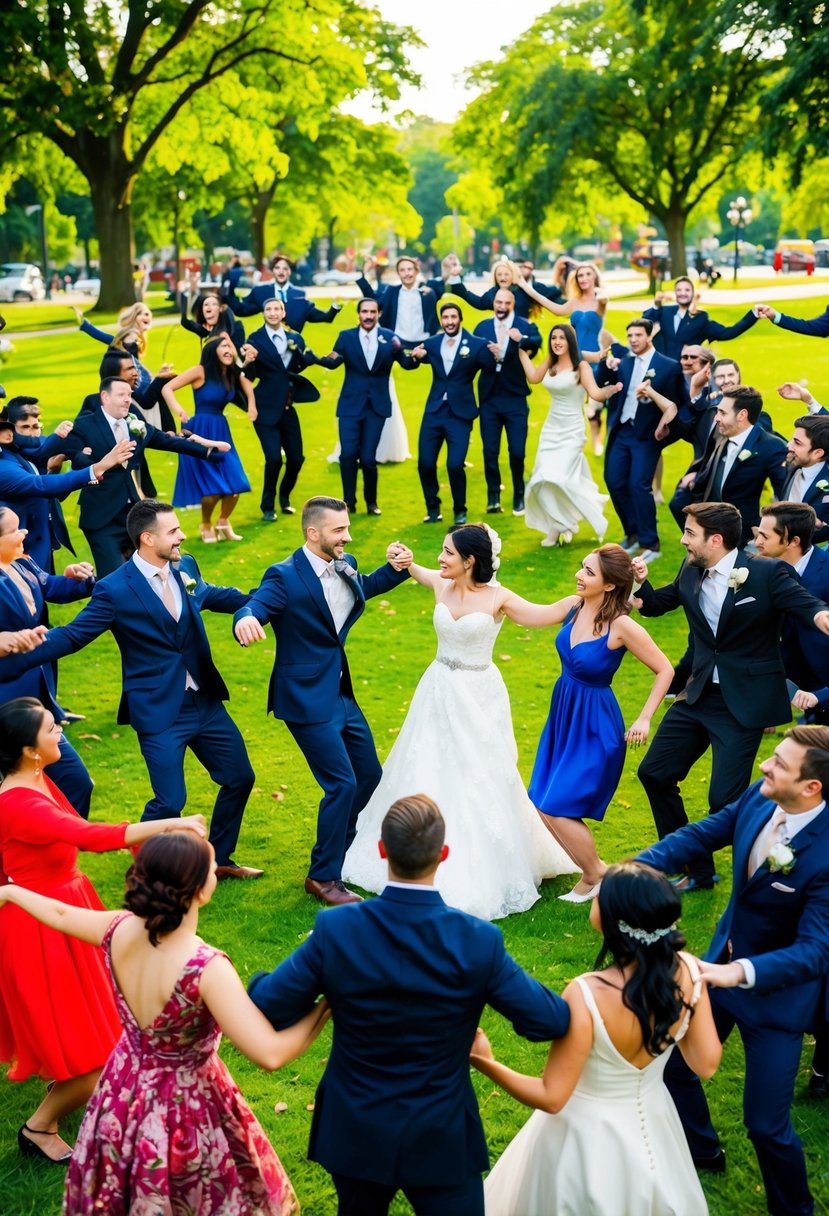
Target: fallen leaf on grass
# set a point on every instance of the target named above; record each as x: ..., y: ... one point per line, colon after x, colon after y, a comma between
x: 280, y: 1107
x: 310, y: 1106
x: 278, y: 795
x: 97, y: 738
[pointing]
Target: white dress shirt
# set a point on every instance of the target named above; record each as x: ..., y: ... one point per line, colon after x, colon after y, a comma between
x: 338, y: 595
x: 448, y: 351
x: 712, y: 593
x: 368, y: 341
x: 156, y: 585
x: 641, y: 363
x: 736, y: 443
x: 802, y: 482
x: 409, y: 325
x: 502, y: 335
x: 280, y: 341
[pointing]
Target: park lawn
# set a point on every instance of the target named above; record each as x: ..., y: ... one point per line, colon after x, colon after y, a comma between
x: 259, y: 923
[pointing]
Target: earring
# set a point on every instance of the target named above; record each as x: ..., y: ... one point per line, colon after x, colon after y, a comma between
x: 37, y: 765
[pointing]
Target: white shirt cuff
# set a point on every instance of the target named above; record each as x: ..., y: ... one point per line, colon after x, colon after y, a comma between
x: 776, y: 318
x: 751, y: 975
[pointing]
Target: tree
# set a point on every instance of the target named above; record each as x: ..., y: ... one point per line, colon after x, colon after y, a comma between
x: 658, y: 103
x: 106, y: 82
x: 424, y: 144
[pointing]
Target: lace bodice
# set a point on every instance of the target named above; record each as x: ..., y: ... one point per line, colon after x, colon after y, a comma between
x: 465, y: 643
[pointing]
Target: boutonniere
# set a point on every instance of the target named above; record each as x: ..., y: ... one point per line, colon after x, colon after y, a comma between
x: 136, y: 427
x: 464, y: 351
x: 823, y: 484
x: 649, y: 374
x: 381, y: 340
x: 425, y: 291
x: 781, y: 859
x: 737, y: 577
x: 291, y: 344
x: 189, y: 583
x: 744, y: 455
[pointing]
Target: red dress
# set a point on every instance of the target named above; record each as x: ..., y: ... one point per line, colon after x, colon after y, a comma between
x: 57, y: 1014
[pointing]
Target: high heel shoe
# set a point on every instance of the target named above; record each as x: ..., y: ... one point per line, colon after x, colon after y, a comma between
x: 29, y: 1149
x: 224, y: 531
x: 551, y: 539
x: 573, y: 897
x: 207, y: 534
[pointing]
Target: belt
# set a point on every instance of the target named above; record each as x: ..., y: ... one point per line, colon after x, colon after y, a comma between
x: 457, y: 665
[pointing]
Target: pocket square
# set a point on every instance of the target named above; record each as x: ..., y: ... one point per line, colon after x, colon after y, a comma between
x: 781, y: 886
x: 750, y: 599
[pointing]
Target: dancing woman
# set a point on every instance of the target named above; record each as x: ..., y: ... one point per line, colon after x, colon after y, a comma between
x: 457, y: 744
x: 581, y: 753
x: 561, y: 490
x: 167, y: 1129
x: 605, y: 1138
x: 217, y: 380
x: 212, y: 317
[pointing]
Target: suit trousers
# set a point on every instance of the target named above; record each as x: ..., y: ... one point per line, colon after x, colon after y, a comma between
x: 204, y: 725
x: 495, y: 418
x: 274, y: 438
x: 772, y: 1061
x: 629, y: 466
x: 358, y: 1197
x: 684, y: 735
x: 342, y: 757
x: 681, y: 498
x: 438, y: 428
x: 359, y: 437
x: 110, y: 546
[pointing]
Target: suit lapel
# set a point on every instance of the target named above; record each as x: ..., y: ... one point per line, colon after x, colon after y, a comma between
x: 311, y: 580
x: 748, y: 446
x: 152, y: 603
x: 730, y: 595
x: 695, y: 575
x: 756, y: 821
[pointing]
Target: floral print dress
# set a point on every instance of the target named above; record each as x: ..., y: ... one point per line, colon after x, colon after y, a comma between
x: 167, y: 1132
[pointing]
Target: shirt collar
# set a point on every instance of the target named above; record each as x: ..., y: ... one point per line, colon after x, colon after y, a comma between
x: 725, y: 565
x: 740, y: 440
x: 407, y: 886
x: 796, y: 823
x: 318, y: 564
x: 148, y: 569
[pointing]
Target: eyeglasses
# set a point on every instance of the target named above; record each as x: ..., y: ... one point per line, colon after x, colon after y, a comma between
x: 688, y: 358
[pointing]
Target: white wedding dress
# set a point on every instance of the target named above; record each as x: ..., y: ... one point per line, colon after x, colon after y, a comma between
x: 617, y: 1147
x: 393, y: 447
x: 561, y: 490
x: 457, y: 746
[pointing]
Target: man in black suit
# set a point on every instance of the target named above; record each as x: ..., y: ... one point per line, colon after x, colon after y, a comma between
x: 503, y: 393
x: 807, y: 479
x: 740, y: 456
x: 679, y: 324
x: 104, y: 508
x: 298, y: 309
x: 734, y: 604
x: 275, y: 356
x: 409, y: 308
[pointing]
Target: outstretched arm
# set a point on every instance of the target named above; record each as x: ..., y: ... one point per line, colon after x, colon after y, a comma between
x: 588, y: 383
x: 560, y: 310
x: 535, y: 616
x: 83, y: 923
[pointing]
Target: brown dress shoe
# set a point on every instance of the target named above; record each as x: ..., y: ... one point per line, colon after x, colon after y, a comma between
x: 237, y: 872
x: 333, y: 892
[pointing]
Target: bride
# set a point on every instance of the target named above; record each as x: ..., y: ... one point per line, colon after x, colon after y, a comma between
x: 561, y: 490
x: 457, y: 745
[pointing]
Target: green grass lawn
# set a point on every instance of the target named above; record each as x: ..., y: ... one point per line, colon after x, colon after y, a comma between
x: 260, y: 923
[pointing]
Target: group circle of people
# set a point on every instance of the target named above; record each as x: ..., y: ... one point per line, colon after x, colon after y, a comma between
x: 404, y: 977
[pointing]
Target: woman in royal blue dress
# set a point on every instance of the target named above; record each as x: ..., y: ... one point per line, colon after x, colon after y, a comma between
x: 216, y: 381
x: 581, y: 752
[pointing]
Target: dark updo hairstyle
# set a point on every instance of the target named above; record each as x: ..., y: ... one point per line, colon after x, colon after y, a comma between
x: 616, y: 568
x: 227, y: 374
x: 634, y: 896
x: 20, y: 723
x: 162, y: 881
x: 472, y: 540
x: 224, y: 324
x: 572, y: 346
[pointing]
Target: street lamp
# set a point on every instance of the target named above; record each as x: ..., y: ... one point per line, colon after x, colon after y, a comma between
x: 44, y: 253
x: 178, y: 199
x: 738, y: 215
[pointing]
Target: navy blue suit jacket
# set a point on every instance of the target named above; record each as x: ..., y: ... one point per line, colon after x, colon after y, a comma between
x: 387, y: 296
x: 39, y: 680
x: 276, y: 381
x: 667, y: 380
x: 818, y: 327
x: 692, y: 331
x: 310, y: 654
x: 471, y: 356
x: 363, y: 387
x: 806, y: 651
x: 298, y: 310
x: 780, y: 922
x: 407, y: 978
x: 34, y: 498
x: 156, y: 650
x: 506, y: 382
x: 816, y: 497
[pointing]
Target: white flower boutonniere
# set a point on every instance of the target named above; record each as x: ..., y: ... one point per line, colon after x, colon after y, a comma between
x: 291, y: 344
x: 189, y: 583
x: 823, y: 484
x: 464, y: 351
x: 649, y: 374
x: 381, y: 339
x: 136, y: 426
x: 745, y: 455
x: 781, y: 859
x: 737, y: 577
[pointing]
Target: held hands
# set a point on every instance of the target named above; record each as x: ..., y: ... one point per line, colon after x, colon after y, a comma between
x: 248, y: 353
x: 804, y: 700
x: 399, y: 556
x: 765, y: 311
x: 419, y: 352
x: 247, y: 630
x: 21, y: 641
x: 639, y: 731
x: 79, y: 571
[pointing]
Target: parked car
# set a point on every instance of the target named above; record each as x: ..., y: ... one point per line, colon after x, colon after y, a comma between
x: 21, y: 281
x: 335, y: 278
x: 794, y: 255
x: 87, y: 287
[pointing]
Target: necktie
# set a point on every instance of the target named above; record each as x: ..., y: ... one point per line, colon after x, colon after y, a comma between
x: 719, y: 473
x: 502, y: 332
x: 368, y: 351
x: 167, y: 597
x: 121, y: 433
x: 795, y: 493
x: 774, y: 833
x: 708, y: 600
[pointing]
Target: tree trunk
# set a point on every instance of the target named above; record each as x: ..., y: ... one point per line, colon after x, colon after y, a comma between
x: 258, y: 217
x: 674, y: 221
x: 113, y: 224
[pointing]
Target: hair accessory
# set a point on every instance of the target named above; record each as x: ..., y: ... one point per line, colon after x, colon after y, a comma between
x: 643, y: 935
x: 495, y: 542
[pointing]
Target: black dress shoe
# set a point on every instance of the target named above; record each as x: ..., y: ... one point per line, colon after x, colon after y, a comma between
x: 287, y: 509
x: 712, y: 1165
x: 373, y: 509
x: 518, y: 507
x: 460, y: 518
x: 269, y: 517
x: 494, y: 508
x: 818, y: 1086
x: 434, y: 517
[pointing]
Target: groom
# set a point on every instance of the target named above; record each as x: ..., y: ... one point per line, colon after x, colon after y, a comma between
x: 312, y: 599
x: 407, y: 978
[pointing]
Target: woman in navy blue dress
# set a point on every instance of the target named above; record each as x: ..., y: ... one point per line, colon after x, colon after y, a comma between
x: 216, y: 381
x: 581, y: 752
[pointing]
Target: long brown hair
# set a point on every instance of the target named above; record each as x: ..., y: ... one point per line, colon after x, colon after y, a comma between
x: 616, y: 568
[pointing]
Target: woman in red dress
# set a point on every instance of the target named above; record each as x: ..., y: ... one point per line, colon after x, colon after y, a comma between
x: 57, y: 1014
